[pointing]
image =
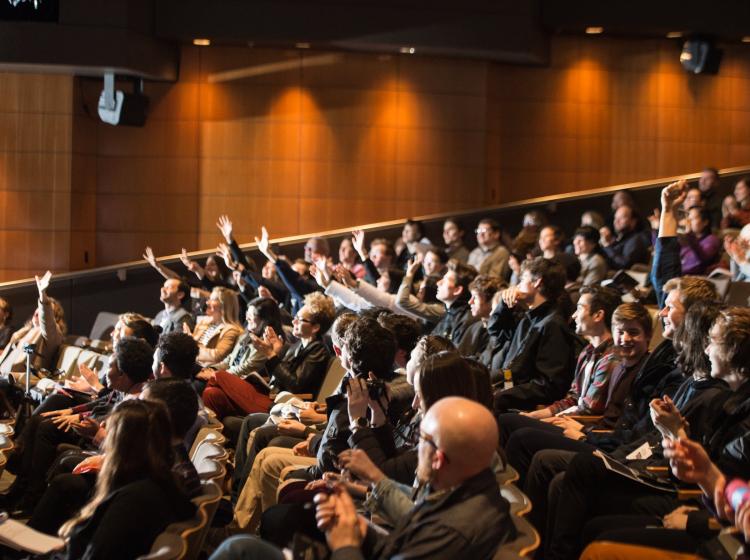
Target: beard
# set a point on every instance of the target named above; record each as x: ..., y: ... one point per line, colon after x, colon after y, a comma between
x: 424, y: 472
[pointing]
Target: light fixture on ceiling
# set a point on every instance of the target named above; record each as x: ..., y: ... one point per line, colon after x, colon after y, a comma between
x: 594, y: 30
x: 201, y: 42
x: 746, y: 39
x: 674, y: 35
x: 302, y: 45
x: 407, y: 50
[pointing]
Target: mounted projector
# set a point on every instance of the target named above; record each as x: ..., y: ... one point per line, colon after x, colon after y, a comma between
x: 119, y: 108
x: 699, y: 56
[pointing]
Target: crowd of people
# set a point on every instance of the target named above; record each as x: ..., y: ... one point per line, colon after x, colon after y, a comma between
x: 524, y: 352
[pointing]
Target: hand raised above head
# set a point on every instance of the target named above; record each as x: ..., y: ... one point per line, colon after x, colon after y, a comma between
x: 225, y: 227
x: 43, y: 283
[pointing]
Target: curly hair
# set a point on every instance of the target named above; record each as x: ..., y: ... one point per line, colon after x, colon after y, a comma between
x: 486, y: 286
x: 178, y: 352
x: 322, y: 310
x: 134, y: 358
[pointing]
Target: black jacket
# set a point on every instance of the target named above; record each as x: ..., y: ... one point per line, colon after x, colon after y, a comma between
x: 127, y: 522
x: 455, y: 327
x: 469, y: 521
x: 302, y: 369
x: 541, y: 356
x: 629, y: 249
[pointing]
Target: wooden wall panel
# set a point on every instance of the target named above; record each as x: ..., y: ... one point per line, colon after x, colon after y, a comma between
x: 35, y: 173
x: 610, y: 111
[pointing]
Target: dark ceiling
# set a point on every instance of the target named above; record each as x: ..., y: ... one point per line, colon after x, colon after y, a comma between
x: 142, y: 37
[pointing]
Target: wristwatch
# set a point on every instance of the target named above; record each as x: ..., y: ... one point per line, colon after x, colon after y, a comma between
x: 358, y: 423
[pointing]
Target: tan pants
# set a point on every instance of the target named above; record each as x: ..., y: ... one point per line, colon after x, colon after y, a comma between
x: 259, y: 492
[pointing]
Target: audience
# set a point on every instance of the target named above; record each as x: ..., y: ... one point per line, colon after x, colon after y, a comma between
x: 433, y: 344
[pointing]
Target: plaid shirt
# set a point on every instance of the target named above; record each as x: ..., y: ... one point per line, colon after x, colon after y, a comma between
x: 604, y: 362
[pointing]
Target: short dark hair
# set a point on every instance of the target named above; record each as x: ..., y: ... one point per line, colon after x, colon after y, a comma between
x: 405, y: 330
x: 417, y: 224
x: 178, y: 351
x: 465, y: 275
x: 455, y: 221
x: 589, y: 233
x: 438, y: 252
x: 185, y: 289
x: 551, y: 273
x: 492, y: 224
x: 180, y: 399
x: 556, y: 231
x: 370, y: 348
x: 268, y: 314
x: 603, y: 298
x: 134, y: 358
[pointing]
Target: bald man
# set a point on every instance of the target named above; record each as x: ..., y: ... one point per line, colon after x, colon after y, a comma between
x: 461, y: 516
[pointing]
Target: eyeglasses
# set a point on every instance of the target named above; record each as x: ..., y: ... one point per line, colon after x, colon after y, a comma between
x: 427, y: 438
x: 302, y: 319
x: 479, y: 231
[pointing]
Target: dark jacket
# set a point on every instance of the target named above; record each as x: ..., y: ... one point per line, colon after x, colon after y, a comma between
x: 455, y: 327
x: 541, y: 356
x: 302, y: 369
x: 629, y: 249
x: 728, y: 444
x: 298, y: 286
x: 335, y: 437
x: 657, y: 377
x: 127, y: 522
x: 470, y: 521
x: 699, y: 401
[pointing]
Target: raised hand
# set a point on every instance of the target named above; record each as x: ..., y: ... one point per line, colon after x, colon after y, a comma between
x: 673, y: 195
x: 189, y: 263
x: 264, y: 245
x: 225, y: 227
x: 43, y: 283
x: 414, y: 264
x: 223, y: 251
x: 149, y: 257
x: 345, y: 276
x: 358, y: 240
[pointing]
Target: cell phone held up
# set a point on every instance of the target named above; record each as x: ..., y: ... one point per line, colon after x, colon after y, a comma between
x: 375, y: 388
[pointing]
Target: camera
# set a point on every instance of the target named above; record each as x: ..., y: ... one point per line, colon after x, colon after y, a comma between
x: 375, y: 388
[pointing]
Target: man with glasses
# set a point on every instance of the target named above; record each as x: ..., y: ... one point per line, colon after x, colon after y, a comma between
x: 462, y: 514
x: 490, y: 257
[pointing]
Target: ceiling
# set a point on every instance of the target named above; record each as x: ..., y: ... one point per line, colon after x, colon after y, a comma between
x: 142, y: 37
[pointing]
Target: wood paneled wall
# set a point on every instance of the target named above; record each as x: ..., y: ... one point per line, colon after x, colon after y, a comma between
x: 609, y: 111
x: 35, y: 170
x: 304, y: 141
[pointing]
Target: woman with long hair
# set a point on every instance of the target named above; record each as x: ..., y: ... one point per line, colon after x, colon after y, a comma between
x: 44, y: 331
x: 136, y: 495
x: 216, y: 333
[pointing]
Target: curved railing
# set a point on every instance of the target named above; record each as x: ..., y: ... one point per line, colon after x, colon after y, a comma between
x: 133, y: 286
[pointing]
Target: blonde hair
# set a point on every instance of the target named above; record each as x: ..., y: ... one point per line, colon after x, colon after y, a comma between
x: 230, y: 307
x: 322, y: 310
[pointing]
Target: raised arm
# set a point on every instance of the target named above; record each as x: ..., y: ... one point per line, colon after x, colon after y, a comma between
x: 667, y: 264
x: 167, y: 273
